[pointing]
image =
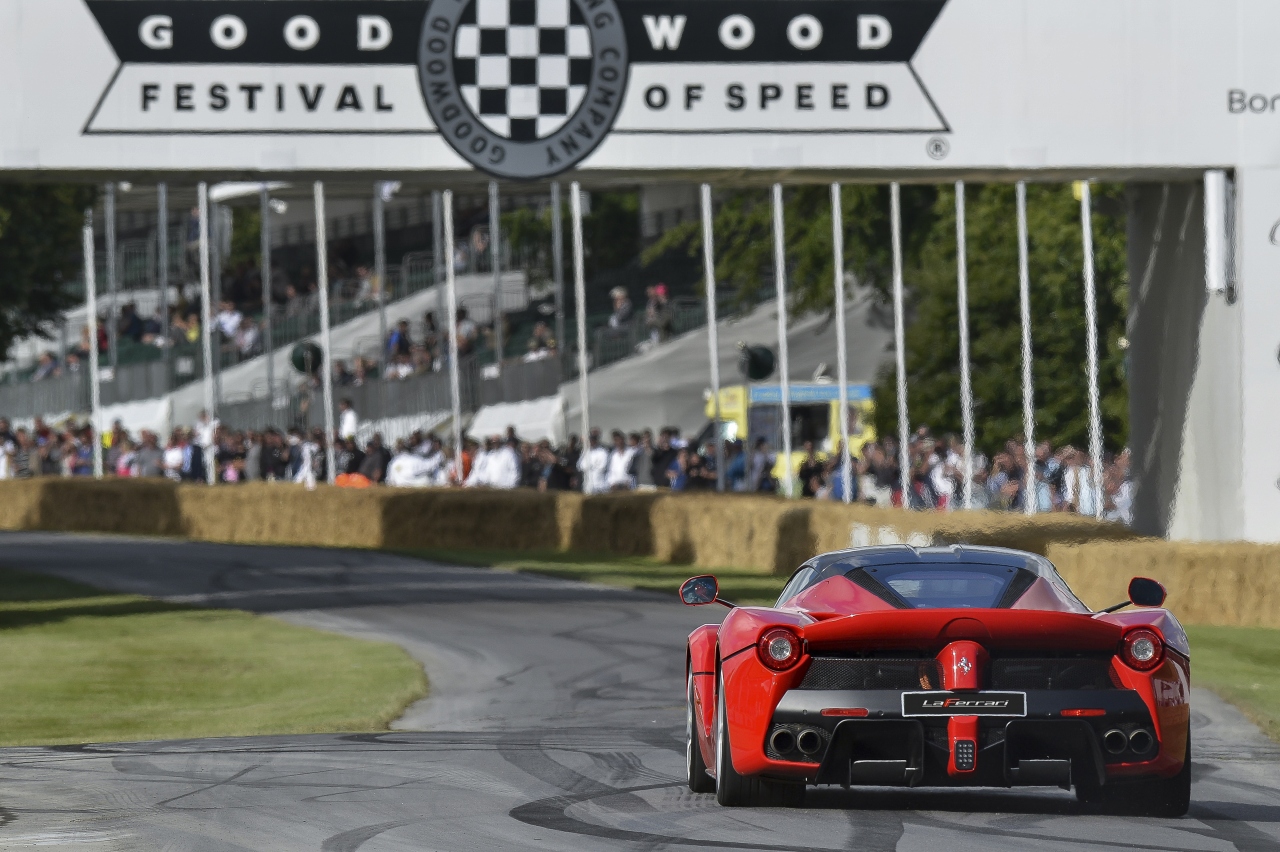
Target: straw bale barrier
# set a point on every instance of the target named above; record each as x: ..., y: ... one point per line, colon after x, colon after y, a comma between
x: 1228, y: 583
x: 136, y: 507
x: 1208, y: 583
x: 754, y: 532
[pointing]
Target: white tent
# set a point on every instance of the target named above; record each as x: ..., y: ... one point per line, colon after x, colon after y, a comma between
x: 533, y: 420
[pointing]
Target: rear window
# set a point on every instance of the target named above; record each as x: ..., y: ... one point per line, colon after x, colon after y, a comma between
x: 945, y: 587
x: 954, y: 576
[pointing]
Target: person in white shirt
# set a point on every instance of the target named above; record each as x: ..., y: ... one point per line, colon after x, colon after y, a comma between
x: 436, y: 465
x: 8, y: 446
x: 247, y: 337
x: 1080, y: 491
x: 306, y: 470
x: 410, y: 470
x: 479, y: 475
x: 228, y: 320
x: 594, y: 465
x: 504, y: 465
x: 348, y: 420
x: 206, y: 428
x: 618, y: 474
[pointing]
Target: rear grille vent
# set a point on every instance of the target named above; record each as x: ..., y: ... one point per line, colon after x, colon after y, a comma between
x: 843, y: 673
x: 1051, y: 674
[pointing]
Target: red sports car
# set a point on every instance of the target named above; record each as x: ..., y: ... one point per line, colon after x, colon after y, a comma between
x: 939, y: 666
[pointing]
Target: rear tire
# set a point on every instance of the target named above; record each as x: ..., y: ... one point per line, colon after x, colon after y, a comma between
x: 1158, y: 797
x: 746, y: 791
x: 700, y: 781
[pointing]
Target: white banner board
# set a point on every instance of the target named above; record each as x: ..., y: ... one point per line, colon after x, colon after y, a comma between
x: 532, y: 88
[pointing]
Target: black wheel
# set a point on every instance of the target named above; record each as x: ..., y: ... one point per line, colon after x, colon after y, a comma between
x: 734, y: 790
x: 700, y: 781
x: 1159, y: 797
x: 1166, y: 797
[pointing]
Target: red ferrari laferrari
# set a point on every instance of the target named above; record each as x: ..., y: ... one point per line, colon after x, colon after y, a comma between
x: 939, y: 666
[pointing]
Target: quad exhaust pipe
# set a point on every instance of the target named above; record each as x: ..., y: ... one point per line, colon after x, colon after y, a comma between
x: 1141, y: 741
x: 782, y: 741
x: 1115, y: 741
x: 809, y: 742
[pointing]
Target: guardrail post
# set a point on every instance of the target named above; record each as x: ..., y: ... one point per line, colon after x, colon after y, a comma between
x: 494, y: 255
x: 899, y: 345
x: 784, y: 378
x: 557, y: 264
x: 713, y: 343
x: 91, y: 308
x: 451, y: 294
x: 1029, y: 497
x: 206, y: 314
x: 162, y: 276
x: 966, y: 381
x: 842, y: 368
x: 580, y: 296
x: 268, y: 344
x: 322, y: 280
x: 109, y: 225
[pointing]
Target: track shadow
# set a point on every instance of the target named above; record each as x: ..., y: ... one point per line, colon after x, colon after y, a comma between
x: 28, y: 600
x: 889, y: 799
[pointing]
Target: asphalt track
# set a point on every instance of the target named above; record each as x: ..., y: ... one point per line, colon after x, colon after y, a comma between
x: 555, y: 723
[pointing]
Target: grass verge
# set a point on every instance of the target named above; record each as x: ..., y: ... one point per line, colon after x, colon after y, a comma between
x: 81, y: 665
x: 628, y: 572
x: 1242, y: 664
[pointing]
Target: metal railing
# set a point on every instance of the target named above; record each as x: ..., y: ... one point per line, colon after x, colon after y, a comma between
x: 613, y: 344
x: 70, y: 393
x: 387, y: 398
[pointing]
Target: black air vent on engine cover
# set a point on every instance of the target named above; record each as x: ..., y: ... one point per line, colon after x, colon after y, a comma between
x: 844, y: 673
x: 1051, y: 673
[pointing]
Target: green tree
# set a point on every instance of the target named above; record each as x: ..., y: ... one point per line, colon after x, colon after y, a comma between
x: 246, y: 237
x: 39, y: 254
x: 529, y: 232
x: 1059, y: 358
x: 743, y: 225
x: 610, y: 235
x: 744, y: 264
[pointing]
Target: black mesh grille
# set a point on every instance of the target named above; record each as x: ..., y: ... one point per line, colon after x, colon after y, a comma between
x: 841, y: 673
x: 1051, y: 674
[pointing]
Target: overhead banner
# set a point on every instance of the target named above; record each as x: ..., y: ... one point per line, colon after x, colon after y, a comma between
x: 527, y: 89
x: 520, y: 88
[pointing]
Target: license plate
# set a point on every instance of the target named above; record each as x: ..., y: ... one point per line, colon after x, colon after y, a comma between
x: 964, y: 704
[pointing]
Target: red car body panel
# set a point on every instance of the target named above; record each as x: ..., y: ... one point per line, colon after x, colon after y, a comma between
x: 836, y: 616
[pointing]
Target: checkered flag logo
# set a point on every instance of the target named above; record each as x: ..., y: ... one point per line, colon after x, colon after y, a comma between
x: 522, y: 66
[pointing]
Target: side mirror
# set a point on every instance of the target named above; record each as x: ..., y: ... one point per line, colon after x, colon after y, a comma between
x: 1142, y: 592
x: 699, y: 591
x: 1145, y: 592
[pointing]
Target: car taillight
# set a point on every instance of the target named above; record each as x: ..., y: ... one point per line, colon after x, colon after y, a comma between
x: 779, y: 648
x: 1143, y: 649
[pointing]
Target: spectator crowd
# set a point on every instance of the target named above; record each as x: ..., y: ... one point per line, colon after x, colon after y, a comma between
x: 1062, y: 478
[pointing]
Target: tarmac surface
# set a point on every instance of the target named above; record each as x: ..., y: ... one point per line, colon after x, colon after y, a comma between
x: 555, y: 722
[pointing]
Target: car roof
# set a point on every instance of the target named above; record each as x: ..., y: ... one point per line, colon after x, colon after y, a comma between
x: 847, y: 562
x: 905, y: 554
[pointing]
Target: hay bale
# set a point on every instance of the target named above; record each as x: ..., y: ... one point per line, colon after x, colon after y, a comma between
x: 281, y: 513
x: 126, y: 506
x: 836, y: 526
x: 620, y: 523
x: 568, y: 518
x: 20, y: 503
x: 751, y: 532
x: 472, y: 518
x: 1209, y: 583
